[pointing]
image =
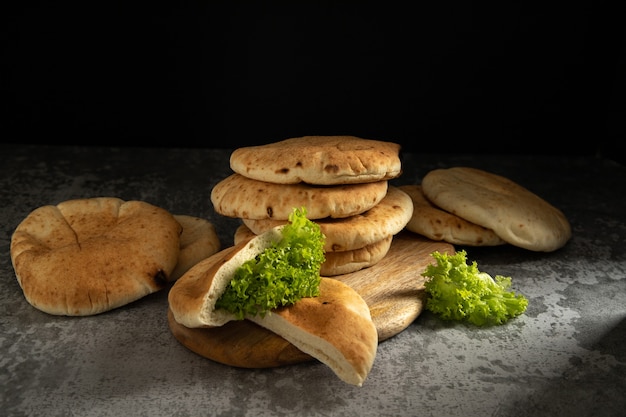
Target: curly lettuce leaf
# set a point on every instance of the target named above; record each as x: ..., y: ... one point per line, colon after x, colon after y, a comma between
x: 459, y: 291
x: 282, y: 274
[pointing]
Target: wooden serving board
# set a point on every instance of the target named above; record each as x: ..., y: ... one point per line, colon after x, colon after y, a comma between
x: 393, y: 289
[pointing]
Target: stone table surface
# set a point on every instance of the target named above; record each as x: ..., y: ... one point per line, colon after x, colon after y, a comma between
x: 566, y: 356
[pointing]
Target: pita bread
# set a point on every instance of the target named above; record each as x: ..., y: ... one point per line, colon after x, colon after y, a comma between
x: 338, y: 263
x: 198, y: 241
x: 193, y: 296
x: 393, y: 290
x: 437, y: 224
x: 336, y: 327
x: 87, y: 256
x: 324, y: 160
x: 514, y: 213
x: 243, y: 234
x: 238, y: 196
x: 346, y: 262
x: 385, y: 219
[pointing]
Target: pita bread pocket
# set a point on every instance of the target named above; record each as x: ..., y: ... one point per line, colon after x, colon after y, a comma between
x: 437, y: 224
x: 335, y: 328
x: 393, y: 290
x: 348, y: 348
x: 87, y: 256
x: 198, y: 241
x: 238, y: 196
x: 193, y: 297
x: 324, y: 160
x: 385, y: 219
x: 338, y: 263
x: 514, y: 213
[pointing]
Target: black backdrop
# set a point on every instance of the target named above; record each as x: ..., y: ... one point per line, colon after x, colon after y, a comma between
x: 455, y: 76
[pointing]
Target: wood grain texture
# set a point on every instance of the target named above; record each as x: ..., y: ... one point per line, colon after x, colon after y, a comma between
x: 393, y: 289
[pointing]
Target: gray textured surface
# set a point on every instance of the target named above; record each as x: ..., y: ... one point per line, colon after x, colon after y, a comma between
x: 565, y: 357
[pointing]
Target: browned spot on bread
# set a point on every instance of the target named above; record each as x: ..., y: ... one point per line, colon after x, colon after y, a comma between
x: 337, y: 248
x: 322, y: 160
x: 160, y: 279
x: 331, y: 169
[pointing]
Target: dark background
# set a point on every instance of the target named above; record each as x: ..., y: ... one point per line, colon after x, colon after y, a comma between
x: 457, y: 76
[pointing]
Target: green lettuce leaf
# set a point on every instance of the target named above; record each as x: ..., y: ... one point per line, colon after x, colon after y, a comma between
x: 459, y: 291
x: 282, y: 274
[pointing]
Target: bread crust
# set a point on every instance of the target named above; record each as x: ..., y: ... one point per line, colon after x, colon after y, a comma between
x: 323, y: 160
x: 87, y: 256
x: 335, y: 328
x: 198, y: 241
x: 437, y: 224
x: 514, y: 213
x: 238, y: 196
x: 385, y: 219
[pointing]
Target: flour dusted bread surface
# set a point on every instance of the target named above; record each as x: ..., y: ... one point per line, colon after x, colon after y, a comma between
x: 319, y: 160
x: 238, y: 196
x: 87, y: 256
x: 437, y: 224
x: 514, y: 213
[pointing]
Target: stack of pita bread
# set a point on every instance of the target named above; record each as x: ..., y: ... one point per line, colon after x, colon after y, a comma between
x: 472, y: 207
x: 342, y: 181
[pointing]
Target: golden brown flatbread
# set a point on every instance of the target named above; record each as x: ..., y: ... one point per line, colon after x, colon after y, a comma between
x: 243, y: 234
x: 198, y: 241
x: 337, y: 263
x: 514, y: 213
x: 87, y: 256
x: 336, y: 327
x: 346, y: 262
x: 385, y: 219
x: 437, y: 224
x: 325, y: 160
x: 238, y: 196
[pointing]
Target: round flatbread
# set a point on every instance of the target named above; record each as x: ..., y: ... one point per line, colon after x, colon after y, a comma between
x: 385, y: 219
x: 346, y: 262
x: 335, y: 327
x: 87, y: 256
x: 437, y: 224
x: 238, y: 196
x: 198, y: 241
x: 514, y: 213
x: 322, y: 160
x: 337, y: 263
